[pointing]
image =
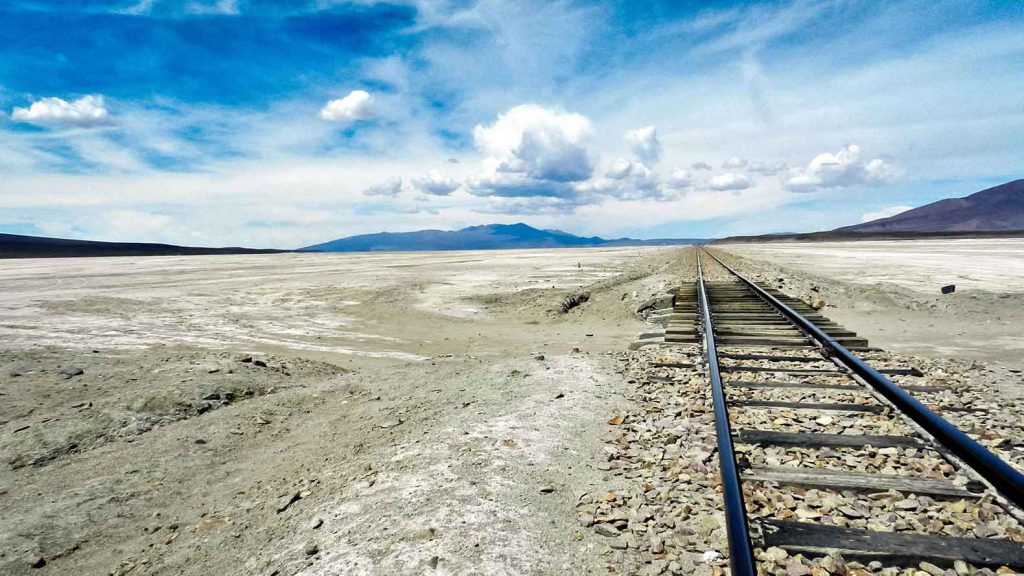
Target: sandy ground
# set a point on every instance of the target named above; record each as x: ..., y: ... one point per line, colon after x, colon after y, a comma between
x: 383, y: 414
x: 889, y: 291
x: 315, y: 414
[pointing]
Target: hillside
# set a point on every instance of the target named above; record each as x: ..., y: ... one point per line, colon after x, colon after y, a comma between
x: 18, y: 246
x: 995, y: 209
x: 486, y: 237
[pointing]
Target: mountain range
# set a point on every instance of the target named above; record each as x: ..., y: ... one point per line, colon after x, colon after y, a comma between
x: 18, y: 246
x: 994, y: 209
x: 486, y: 237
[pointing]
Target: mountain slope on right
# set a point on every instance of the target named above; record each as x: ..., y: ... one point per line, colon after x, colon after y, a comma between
x: 997, y: 208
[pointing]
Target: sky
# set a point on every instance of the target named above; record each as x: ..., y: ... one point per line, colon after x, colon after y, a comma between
x: 283, y: 124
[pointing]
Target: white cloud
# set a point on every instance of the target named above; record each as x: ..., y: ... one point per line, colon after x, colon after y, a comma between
x: 195, y: 7
x: 644, y: 144
x: 680, y: 179
x: 878, y: 171
x: 620, y: 169
x: 536, y: 143
x: 841, y: 170
x: 626, y: 179
x: 390, y: 188
x: 701, y: 166
x: 730, y: 181
x: 143, y: 7
x: 734, y: 163
x: 884, y: 213
x: 358, y: 105
x: 84, y: 112
x: 435, y: 183
x: 220, y: 7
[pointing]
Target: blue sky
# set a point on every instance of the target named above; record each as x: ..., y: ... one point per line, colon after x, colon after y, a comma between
x: 263, y: 123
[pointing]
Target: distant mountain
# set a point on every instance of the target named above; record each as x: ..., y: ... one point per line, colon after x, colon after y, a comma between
x: 487, y: 237
x: 994, y: 209
x: 18, y: 246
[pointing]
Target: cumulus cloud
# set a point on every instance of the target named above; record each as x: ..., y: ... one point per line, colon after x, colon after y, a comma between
x: 680, y: 179
x: 639, y: 173
x: 884, y: 213
x: 734, y: 163
x: 390, y: 188
x: 841, y: 170
x: 84, y: 112
x: 643, y: 143
x: 701, y: 166
x: 620, y: 169
x: 626, y: 179
x: 539, y: 144
x: 730, y: 181
x: 435, y: 184
x: 358, y: 105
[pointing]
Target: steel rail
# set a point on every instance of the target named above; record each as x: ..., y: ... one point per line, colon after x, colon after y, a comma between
x: 741, y: 553
x: 1003, y: 477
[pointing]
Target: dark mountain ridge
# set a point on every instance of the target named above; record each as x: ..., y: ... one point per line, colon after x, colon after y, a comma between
x: 994, y: 209
x: 485, y: 237
x: 19, y: 246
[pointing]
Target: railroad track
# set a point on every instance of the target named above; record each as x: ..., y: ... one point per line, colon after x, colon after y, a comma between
x: 802, y: 421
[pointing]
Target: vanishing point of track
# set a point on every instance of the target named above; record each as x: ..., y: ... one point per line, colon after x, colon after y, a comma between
x: 766, y: 351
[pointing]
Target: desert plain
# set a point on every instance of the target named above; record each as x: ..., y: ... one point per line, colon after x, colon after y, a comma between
x: 412, y: 413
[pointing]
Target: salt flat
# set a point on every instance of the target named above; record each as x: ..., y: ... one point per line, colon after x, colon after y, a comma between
x: 156, y: 411
x: 335, y: 304
x: 993, y: 265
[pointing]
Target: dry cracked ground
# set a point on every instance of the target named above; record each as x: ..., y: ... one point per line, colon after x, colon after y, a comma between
x: 445, y: 413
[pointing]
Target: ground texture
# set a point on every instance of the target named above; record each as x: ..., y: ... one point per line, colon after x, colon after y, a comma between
x: 450, y: 413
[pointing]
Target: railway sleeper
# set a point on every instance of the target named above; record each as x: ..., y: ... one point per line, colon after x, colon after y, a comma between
x: 823, y: 406
x: 811, y: 385
x: 885, y: 509
x: 762, y: 339
x: 781, y: 370
x: 770, y: 357
x: 862, y: 482
x: 888, y: 547
x: 809, y: 395
x: 820, y: 440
